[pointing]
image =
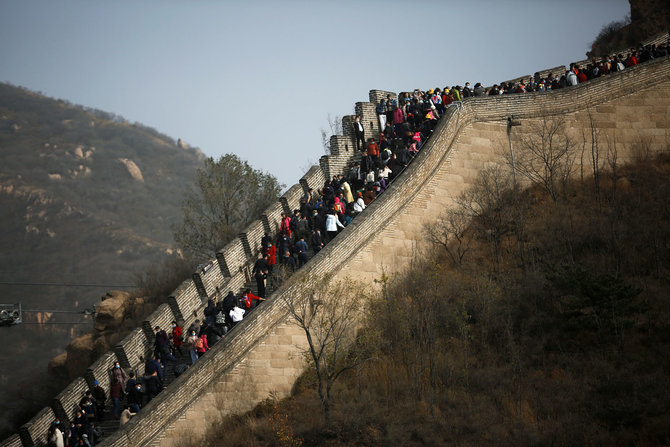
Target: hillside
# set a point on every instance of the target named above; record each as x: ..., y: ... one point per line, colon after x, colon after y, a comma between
x: 561, y: 340
x: 79, y: 188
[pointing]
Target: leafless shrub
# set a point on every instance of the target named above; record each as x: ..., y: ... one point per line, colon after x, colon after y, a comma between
x: 546, y: 155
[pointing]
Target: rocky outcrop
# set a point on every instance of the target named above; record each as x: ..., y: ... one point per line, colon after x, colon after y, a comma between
x: 110, y: 312
x: 132, y: 168
x: 57, y: 365
x: 117, y: 313
x: 79, y: 353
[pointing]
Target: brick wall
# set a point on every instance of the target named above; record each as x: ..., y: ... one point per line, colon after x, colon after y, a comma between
x: 211, y: 276
x: 66, y: 403
x: 377, y: 95
x: 293, y: 196
x: 188, y: 301
x: 314, y: 178
x: 34, y: 432
x: 368, y: 113
x: 255, y: 233
x: 162, y: 317
x: 100, y: 370
x: 131, y: 348
x: 12, y: 441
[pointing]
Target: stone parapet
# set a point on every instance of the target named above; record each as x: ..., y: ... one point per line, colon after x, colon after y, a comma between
x: 100, y: 370
x: 65, y: 405
x: 13, y: 441
x: 131, y: 349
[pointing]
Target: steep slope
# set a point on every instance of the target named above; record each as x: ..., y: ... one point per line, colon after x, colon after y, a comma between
x: 79, y: 188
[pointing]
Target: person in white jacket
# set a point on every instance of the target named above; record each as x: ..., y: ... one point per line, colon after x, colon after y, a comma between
x: 55, y: 436
x: 359, y: 205
x: 236, y: 314
x: 332, y: 222
x: 571, y: 77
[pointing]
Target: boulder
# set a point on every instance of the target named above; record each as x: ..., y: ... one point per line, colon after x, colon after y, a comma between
x: 100, y: 346
x: 79, y: 354
x: 58, y: 365
x: 111, y: 311
x: 138, y: 310
x: 133, y: 169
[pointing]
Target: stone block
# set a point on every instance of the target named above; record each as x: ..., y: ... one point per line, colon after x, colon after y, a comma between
x: 652, y: 132
x: 605, y: 108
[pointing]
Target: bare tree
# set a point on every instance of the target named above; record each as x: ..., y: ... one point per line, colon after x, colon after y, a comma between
x: 595, y: 156
x: 613, y: 163
x: 546, y: 155
x: 449, y: 233
x: 329, y: 312
x: 334, y: 128
x: 490, y: 203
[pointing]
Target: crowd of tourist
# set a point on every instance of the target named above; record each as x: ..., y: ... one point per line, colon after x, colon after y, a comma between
x: 407, y: 123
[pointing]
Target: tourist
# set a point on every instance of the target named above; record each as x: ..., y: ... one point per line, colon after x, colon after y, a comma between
x: 125, y: 416
x: 191, y: 341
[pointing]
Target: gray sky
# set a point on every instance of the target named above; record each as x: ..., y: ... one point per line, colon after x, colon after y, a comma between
x: 258, y: 78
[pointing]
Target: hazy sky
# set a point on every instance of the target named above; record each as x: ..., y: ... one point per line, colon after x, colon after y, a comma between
x: 258, y: 78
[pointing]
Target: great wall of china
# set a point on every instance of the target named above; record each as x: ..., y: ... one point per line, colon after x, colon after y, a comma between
x: 262, y: 356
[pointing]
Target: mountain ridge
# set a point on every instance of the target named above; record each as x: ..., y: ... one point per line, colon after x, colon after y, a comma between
x: 79, y: 188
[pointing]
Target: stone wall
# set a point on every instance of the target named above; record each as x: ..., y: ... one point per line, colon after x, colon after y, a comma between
x: 230, y: 270
x: 12, y: 441
x: 262, y: 356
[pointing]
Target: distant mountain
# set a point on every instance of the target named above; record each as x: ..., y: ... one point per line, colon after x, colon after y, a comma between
x: 85, y: 197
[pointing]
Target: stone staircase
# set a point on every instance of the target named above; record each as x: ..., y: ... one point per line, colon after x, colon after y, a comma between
x: 109, y: 424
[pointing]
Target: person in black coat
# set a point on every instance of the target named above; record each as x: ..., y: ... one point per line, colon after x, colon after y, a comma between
x: 359, y: 132
x: 210, y: 313
x: 317, y: 241
x: 213, y: 335
x: 367, y: 163
x: 229, y: 302
x: 261, y: 269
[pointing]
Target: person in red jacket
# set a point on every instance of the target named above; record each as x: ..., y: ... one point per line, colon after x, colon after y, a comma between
x: 201, y: 346
x: 632, y: 59
x: 271, y: 251
x: 373, y: 149
x: 248, y: 299
x: 285, y: 224
x: 581, y: 76
x: 177, y: 337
